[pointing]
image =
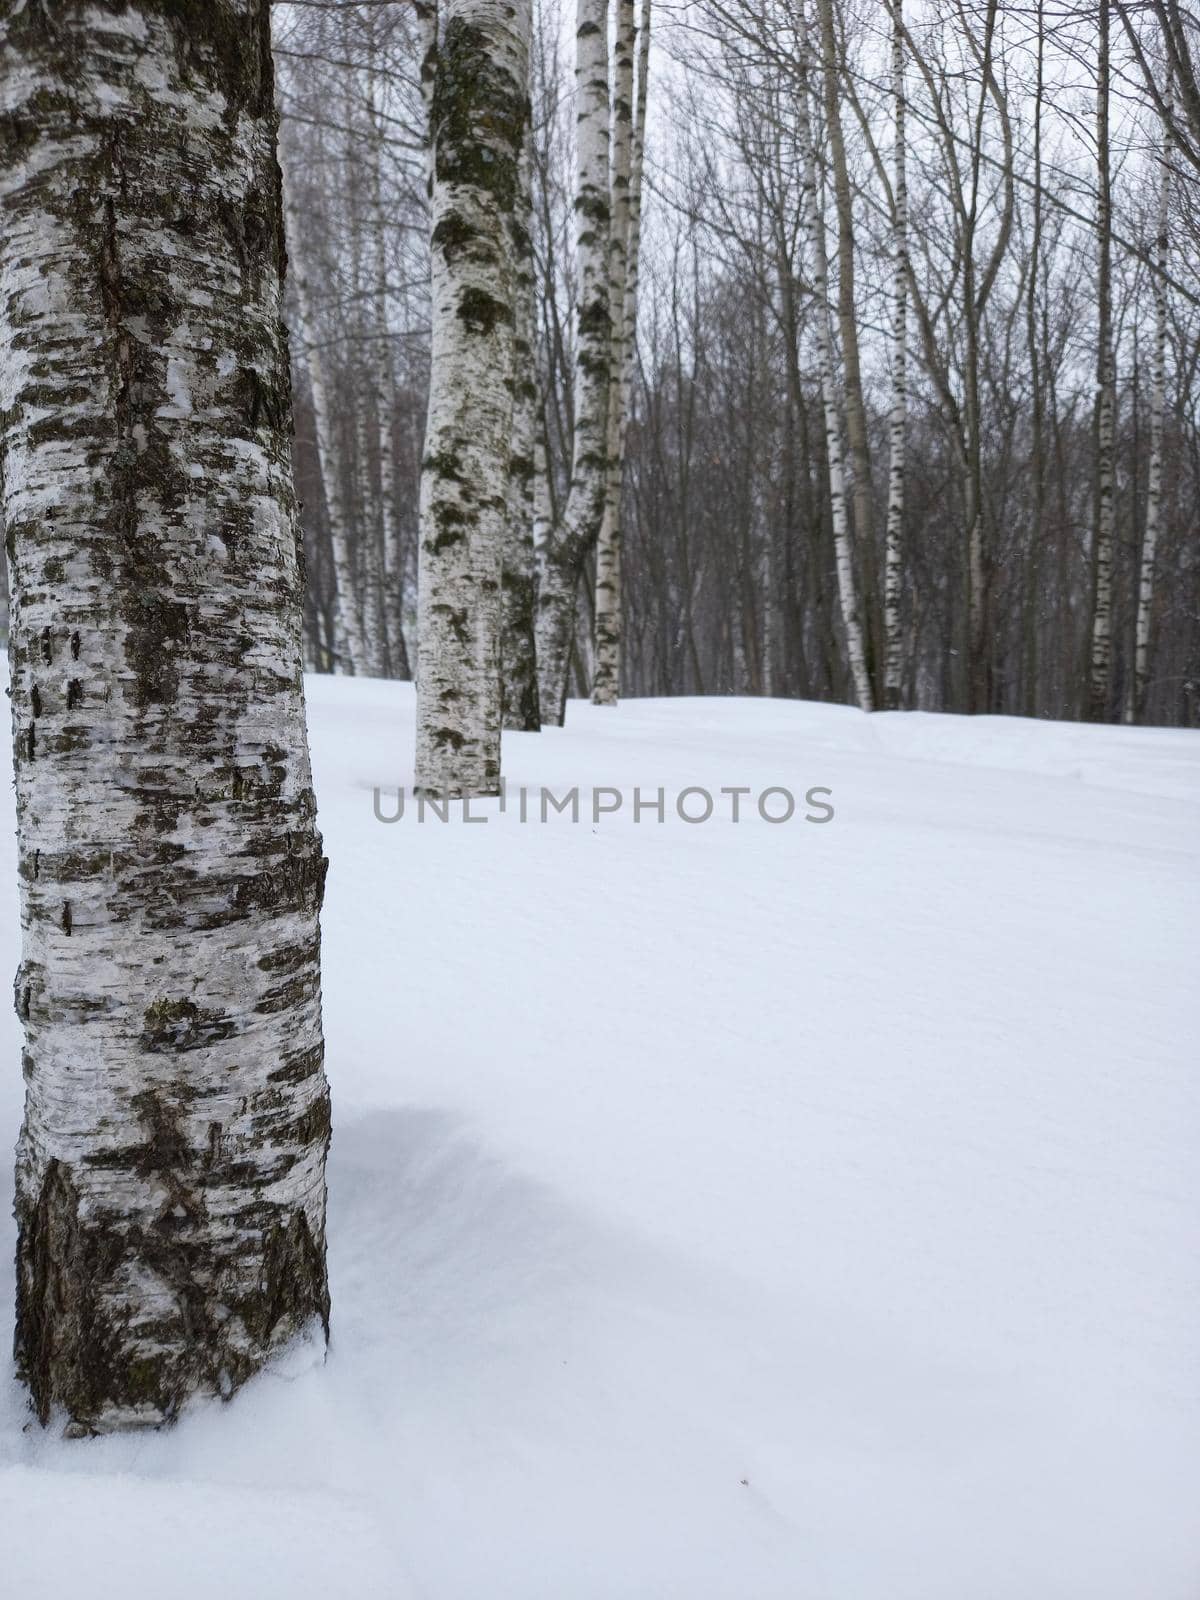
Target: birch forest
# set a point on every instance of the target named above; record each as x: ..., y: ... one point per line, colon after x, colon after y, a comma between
x: 875, y: 381
x: 746, y: 454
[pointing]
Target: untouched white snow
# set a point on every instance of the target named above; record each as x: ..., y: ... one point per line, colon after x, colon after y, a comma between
x: 718, y: 1212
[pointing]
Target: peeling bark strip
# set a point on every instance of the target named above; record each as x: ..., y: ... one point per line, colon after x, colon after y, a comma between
x: 478, y: 112
x: 171, y: 1167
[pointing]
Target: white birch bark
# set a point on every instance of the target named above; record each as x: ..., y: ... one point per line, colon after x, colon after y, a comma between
x: 170, y: 1193
x: 893, y: 550
x: 852, y: 408
x: 567, y: 545
x: 543, y: 511
x: 813, y: 223
x: 348, y: 631
x: 1158, y: 393
x: 478, y: 110
x: 369, y: 537
x: 383, y: 371
x: 518, y: 647
x: 1106, y: 401
x: 368, y: 521
x: 606, y: 683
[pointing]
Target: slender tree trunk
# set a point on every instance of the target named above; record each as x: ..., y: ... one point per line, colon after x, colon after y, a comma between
x: 1033, y: 588
x: 894, y: 557
x: 479, y: 100
x: 518, y: 650
x: 1158, y: 391
x: 628, y: 155
x: 171, y: 1166
x: 814, y: 228
x: 857, y: 441
x: 566, y: 546
x: 1097, y: 696
x: 606, y: 685
x: 348, y: 633
x: 384, y: 376
x: 368, y: 510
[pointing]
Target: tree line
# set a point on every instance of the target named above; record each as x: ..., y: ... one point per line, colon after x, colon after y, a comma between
x: 907, y: 410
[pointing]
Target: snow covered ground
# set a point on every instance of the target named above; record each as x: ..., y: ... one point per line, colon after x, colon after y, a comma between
x: 718, y: 1212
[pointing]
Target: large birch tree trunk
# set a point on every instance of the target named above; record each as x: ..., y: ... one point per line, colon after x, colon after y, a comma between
x: 563, y: 551
x: 893, y: 549
x: 170, y: 1194
x: 478, y: 113
x: 813, y: 223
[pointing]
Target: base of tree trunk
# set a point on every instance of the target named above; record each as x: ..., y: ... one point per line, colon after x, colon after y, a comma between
x: 80, y: 1359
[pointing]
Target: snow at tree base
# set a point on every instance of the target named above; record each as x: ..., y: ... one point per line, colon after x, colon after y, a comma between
x: 717, y: 1211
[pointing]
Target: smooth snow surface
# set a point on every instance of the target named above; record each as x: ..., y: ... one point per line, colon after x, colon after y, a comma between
x: 718, y: 1212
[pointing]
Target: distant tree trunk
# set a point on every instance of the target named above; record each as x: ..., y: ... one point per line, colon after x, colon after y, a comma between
x: 1097, y: 694
x: 369, y: 511
x: 171, y: 1166
x: 348, y: 634
x: 383, y: 373
x: 858, y: 443
x: 566, y: 546
x: 479, y: 99
x: 894, y: 556
x: 814, y: 227
x: 607, y: 683
x: 518, y: 648
x: 1033, y: 589
x: 1158, y: 391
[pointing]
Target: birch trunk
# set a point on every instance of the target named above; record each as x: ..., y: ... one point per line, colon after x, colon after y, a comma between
x: 478, y: 113
x: 1034, y: 560
x: 893, y: 556
x: 518, y: 646
x: 854, y: 406
x: 170, y: 1193
x: 606, y: 684
x: 567, y: 545
x: 368, y: 518
x: 383, y: 372
x: 1106, y: 402
x: 348, y: 633
x: 1158, y: 392
x: 813, y: 224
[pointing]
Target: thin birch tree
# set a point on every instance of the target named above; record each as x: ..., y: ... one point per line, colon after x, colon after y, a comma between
x: 477, y: 121
x: 518, y: 647
x: 170, y: 1186
x: 1158, y: 393
x: 1100, y: 655
x: 606, y: 683
x: 898, y: 415
x: 813, y: 222
x: 562, y: 552
x: 348, y: 630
